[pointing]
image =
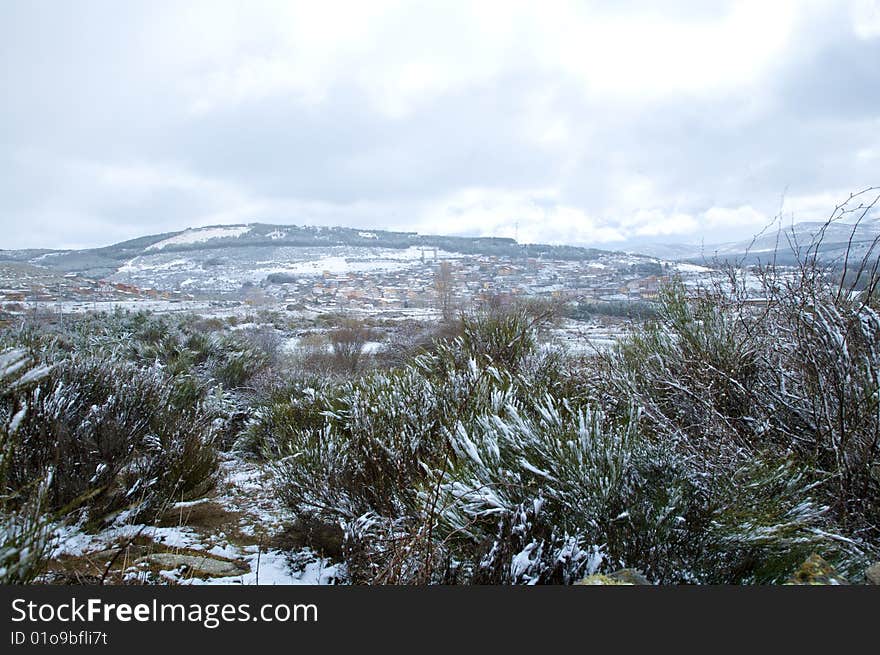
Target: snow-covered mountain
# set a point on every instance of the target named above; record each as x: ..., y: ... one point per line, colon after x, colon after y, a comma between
x: 222, y: 258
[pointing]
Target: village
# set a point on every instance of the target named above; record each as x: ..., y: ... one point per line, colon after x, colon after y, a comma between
x: 467, y: 280
x: 471, y: 280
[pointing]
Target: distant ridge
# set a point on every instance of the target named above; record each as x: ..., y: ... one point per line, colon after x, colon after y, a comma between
x: 105, y: 261
x: 780, y: 245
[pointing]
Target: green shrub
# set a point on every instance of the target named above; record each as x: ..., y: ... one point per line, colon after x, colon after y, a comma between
x: 24, y: 523
x: 741, y: 387
x: 113, y: 436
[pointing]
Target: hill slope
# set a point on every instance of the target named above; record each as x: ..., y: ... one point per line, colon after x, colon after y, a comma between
x: 222, y: 258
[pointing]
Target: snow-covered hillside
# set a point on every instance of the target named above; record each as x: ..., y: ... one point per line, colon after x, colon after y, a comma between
x: 201, y: 235
x: 227, y: 269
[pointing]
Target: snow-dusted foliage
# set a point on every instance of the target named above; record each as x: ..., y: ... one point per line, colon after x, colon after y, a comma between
x: 23, y: 526
x: 529, y: 492
x: 720, y: 444
x: 114, y: 436
x: 107, y: 419
x: 780, y: 397
x: 182, y: 345
x: 377, y: 454
x: 723, y: 441
x: 101, y: 430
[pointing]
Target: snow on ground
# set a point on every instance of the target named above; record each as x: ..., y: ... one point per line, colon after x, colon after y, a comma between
x: 272, y: 568
x: 691, y: 268
x: 578, y: 338
x: 399, y: 314
x: 286, y: 260
x: 136, y: 265
x: 73, y: 542
x: 140, y: 304
x: 49, y: 254
x: 244, y: 489
x: 292, y: 345
x: 200, y: 235
x: 228, y: 270
x: 377, y: 259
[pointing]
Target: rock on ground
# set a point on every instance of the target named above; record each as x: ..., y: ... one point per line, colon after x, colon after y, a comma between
x: 872, y: 575
x: 627, y: 577
x: 816, y: 571
x: 196, y: 565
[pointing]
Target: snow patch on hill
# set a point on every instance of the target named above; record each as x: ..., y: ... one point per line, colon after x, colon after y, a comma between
x: 201, y: 235
x: 691, y: 268
x: 380, y: 259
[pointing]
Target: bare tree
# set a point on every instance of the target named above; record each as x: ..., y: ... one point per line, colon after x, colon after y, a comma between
x: 348, y: 342
x: 444, y: 284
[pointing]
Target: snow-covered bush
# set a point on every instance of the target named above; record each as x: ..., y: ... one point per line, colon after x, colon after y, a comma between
x: 24, y: 525
x: 694, y: 452
x: 376, y: 454
x: 781, y: 393
x: 527, y: 493
x: 391, y: 426
x: 182, y: 345
x: 113, y: 435
x: 526, y: 498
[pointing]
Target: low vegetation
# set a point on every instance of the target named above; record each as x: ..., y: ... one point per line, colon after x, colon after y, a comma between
x: 734, y: 432
x: 720, y: 444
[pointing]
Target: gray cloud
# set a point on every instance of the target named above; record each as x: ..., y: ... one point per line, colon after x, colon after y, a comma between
x: 125, y: 119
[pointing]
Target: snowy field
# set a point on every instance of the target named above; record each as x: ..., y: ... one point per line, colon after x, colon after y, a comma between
x: 190, y: 553
x: 578, y: 338
x: 134, y: 305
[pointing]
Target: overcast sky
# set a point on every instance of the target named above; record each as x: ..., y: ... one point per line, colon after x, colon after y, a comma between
x: 581, y: 122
